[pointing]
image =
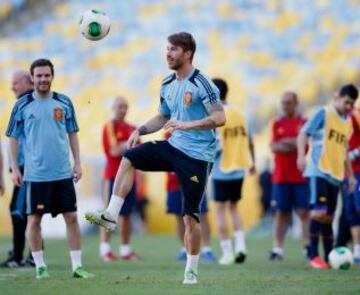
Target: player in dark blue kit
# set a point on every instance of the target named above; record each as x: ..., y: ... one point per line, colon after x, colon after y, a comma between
x: 48, y: 124
x: 190, y: 109
x: 21, y: 85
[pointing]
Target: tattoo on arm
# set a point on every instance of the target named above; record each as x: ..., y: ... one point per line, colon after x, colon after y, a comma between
x: 143, y: 130
x: 214, y: 107
x: 207, y: 123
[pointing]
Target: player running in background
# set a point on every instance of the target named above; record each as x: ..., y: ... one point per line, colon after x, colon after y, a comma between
x: 329, y: 131
x: 190, y: 109
x: 115, y: 135
x: 235, y: 154
x: 352, y: 201
x: 290, y: 190
x: 21, y: 85
x: 47, y: 121
x: 174, y: 206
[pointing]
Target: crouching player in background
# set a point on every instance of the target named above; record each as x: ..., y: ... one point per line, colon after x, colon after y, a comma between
x: 329, y: 131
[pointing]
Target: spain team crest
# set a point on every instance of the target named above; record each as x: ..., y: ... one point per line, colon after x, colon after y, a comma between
x: 58, y: 114
x: 188, y: 99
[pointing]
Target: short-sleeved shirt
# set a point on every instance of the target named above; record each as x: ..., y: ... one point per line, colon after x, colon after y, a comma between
x: 45, y: 124
x: 285, y: 169
x: 314, y: 128
x: 185, y: 100
x: 113, y: 133
x: 355, y: 140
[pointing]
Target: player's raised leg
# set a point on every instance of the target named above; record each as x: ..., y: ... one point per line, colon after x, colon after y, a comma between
x: 123, y: 183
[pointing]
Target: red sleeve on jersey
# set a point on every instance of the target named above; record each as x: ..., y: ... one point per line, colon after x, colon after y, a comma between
x: 105, y: 140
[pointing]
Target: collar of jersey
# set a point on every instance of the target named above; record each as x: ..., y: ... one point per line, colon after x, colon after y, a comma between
x: 38, y: 98
x: 186, y: 77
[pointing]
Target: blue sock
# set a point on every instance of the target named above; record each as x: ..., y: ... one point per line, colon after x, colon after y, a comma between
x: 328, y: 239
x: 315, y: 228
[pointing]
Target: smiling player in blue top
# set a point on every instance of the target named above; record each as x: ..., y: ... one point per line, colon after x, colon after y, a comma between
x: 47, y: 122
x: 190, y: 109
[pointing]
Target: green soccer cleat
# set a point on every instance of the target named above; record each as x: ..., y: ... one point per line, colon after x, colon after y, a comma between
x: 42, y: 273
x: 190, y: 277
x: 80, y: 272
x: 101, y: 218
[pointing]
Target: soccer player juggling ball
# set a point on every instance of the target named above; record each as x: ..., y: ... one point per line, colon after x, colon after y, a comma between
x: 190, y: 109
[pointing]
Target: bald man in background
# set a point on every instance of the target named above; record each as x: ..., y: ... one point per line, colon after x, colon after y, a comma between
x: 21, y: 85
x: 115, y: 135
x: 290, y: 190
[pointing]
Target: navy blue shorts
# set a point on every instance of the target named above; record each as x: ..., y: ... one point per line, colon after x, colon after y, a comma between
x: 227, y: 190
x: 53, y: 197
x: 174, y: 203
x: 191, y: 173
x: 130, y: 199
x: 352, y: 202
x: 286, y: 196
x: 323, y: 195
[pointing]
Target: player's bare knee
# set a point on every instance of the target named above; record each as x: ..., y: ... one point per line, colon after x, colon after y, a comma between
x: 303, y: 214
x: 190, y: 221
x: 70, y: 218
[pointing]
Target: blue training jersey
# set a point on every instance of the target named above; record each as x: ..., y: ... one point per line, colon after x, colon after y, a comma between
x: 185, y: 100
x: 44, y: 124
x: 314, y: 128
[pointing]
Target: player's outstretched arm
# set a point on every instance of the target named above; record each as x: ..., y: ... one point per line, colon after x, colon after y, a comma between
x: 75, y: 149
x: 302, y: 142
x: 154, y: 124
x: 215, y: 119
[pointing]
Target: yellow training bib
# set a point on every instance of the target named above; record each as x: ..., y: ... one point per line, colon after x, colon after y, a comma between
x: 337, y: 133
x: 234, y: 139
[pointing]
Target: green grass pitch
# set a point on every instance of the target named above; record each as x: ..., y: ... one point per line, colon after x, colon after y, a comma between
x: 160, y: 273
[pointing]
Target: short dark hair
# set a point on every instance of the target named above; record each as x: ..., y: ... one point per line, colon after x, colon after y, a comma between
x: 223, y: 88
x: 184, y: 40
x: 41, y: 62
x: 349, y: 90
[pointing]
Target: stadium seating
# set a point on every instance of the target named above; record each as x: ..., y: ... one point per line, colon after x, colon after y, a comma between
x: 261, y: 47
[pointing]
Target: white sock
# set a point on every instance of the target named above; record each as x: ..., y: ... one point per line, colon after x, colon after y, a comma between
x: 104, y: 248
x: 38, y: 258
x: 226, y: 247
x: 125, y: 250
x: 239, y: 241
x: 357, y: 250
x: 192, y: 262
x: 115, y: 205
x: 75, y: 256
x: 278, y: 250
x: 206, y: 249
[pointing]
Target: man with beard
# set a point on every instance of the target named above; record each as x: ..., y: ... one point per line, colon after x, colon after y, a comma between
x: 48, y: 123
x: 190, y: 109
